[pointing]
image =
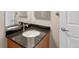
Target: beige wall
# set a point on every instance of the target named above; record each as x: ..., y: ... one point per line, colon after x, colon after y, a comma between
x: 53, y: 23
x: 2, y: 30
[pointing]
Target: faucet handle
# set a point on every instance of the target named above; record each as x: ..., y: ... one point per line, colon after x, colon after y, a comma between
x: 20, y: 23
x: 26, y: 24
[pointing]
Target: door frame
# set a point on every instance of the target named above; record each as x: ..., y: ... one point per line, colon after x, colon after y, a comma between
x: 62, y: 35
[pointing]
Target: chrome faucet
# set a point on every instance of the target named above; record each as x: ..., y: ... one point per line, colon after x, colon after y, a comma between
x: 24, y: 26
x: 21, y: 24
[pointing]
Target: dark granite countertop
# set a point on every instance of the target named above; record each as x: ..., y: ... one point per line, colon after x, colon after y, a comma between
x: 29, y: 42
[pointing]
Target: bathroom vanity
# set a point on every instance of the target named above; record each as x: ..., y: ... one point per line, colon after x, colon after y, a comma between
x: 17, y: 40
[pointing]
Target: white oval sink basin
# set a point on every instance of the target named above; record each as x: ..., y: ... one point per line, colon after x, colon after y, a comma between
x: 31, y: 33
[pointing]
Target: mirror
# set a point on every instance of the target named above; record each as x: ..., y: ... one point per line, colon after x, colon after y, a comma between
x: 12, y: 19
x: 42, y: 15
x: 9, y: 18
x: 23, y: 14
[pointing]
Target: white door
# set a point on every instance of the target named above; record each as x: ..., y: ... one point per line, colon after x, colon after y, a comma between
x: 69, y: 29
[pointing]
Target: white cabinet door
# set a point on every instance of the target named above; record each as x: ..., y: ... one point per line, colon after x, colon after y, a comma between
x: 70, y: 30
